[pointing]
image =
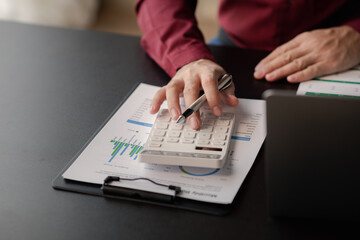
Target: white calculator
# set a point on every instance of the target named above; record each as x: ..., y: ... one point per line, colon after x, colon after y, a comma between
x: 172, y: 143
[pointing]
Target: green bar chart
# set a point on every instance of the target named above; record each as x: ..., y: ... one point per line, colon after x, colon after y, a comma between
x: 123, y: 147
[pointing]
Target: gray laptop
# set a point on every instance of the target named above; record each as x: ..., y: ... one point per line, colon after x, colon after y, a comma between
x: 312, y: 153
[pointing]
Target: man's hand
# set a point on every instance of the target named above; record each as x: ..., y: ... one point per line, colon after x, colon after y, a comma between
x: 312, y: 54
x: 199, y: 75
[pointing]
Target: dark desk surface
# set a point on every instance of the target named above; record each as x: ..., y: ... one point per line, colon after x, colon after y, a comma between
x: 57, y: 86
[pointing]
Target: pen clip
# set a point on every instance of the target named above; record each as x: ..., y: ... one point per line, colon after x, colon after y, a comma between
x: 225, y: 82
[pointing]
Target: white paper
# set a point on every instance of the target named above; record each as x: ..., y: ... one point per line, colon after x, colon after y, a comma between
x: 346, y: 84
x: 131, y: 124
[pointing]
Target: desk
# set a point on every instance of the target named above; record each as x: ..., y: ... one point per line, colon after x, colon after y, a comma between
x: 57, y: 86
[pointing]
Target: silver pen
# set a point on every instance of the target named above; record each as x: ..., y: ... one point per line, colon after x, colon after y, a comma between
x: 223, y: 83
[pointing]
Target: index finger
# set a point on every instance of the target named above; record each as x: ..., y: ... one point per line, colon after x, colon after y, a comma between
x: 277, y: 52
x: 191, y: 93
x: 210, y: 85
x: 157, y: 100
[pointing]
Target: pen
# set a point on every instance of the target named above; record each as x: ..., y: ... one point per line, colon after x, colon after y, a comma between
x: 223, y: 83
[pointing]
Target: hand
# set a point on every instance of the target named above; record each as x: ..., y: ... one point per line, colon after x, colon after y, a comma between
x: 199, y: 75
x: 312, y: 54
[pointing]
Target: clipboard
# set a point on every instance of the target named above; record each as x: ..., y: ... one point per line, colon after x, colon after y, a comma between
x: 109, y: 191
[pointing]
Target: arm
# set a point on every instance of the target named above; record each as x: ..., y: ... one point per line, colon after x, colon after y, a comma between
x: 170, y: 33
x: 171, y: 37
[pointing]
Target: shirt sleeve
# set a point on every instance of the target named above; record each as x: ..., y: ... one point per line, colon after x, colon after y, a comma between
x: 354, y: 23
x: 170, y: 33
x: 352, y: 17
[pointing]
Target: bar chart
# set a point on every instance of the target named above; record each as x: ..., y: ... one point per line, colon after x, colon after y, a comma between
x: 126, y: 148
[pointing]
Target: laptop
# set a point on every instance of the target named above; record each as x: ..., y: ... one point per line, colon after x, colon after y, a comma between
x: 312, y: 156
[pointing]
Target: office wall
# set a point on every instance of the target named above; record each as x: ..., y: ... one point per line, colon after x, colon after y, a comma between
x: 63, y: 13
x: 116, y: 16
x: 119, y: 16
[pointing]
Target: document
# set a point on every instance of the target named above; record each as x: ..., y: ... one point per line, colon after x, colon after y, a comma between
x: 115, y: 149
x: 344, y: 84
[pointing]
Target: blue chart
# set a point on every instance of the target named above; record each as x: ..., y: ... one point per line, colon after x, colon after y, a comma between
x: 126, y: 148
x: 202, y: 172
x: 198, y: 172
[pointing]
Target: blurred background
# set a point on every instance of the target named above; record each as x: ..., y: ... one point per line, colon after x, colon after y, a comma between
x: 116, y: 16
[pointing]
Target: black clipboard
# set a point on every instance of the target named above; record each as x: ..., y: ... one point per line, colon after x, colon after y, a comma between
x: 60, y: 183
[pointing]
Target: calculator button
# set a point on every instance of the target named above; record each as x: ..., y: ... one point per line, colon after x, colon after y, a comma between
x: 164, y: 119
x: 185, y: 140
x: 206, y: 128
x: 172, y: 140
x: 208, y: 115
x: 213, y: 156
x: 170, y: 153
x: 176, y: 126
x: 208, y: 121
x: 204, y: 135
x: 200, y: 155
x: 218, y: 143
x: 219, y: 136
x: 203, y: 142
x: 162, y: 125
x: 152, y: 152
x: 155, y: 144
x: 174, y: 134
x: 189, y: 134
x: 188, y: 128
x: 184, y: 154
x: 222, y: 122
x: 156, y: 139
x: 226, y: 116
x: 159, y: 133
x: 221, y: 129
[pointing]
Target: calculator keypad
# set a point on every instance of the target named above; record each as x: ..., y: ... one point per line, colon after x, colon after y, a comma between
x: 170, y: 141
x: 213, y: 131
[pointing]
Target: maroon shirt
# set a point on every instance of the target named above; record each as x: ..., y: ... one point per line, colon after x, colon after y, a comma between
x: 171, y: 36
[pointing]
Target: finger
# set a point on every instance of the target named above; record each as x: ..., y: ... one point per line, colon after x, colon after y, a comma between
x: 157, y: 100
x: 209, y: 83
x: 315, y: 70
x: 191, y: 93
x: 228, y: 96
x: 273, y: 55
x: 290, y: 68
x: 173, y: 90
x: 280, y: 61
x: 279, y: 50
x: 194, y: 120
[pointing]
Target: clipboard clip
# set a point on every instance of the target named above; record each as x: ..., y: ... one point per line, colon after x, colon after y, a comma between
x: 109, y: 189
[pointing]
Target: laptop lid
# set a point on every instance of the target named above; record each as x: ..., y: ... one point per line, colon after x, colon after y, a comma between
x: 312, y: 155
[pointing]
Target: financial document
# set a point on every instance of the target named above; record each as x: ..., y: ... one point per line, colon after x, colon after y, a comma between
x: 115, y: 149
x: 344, y: 84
